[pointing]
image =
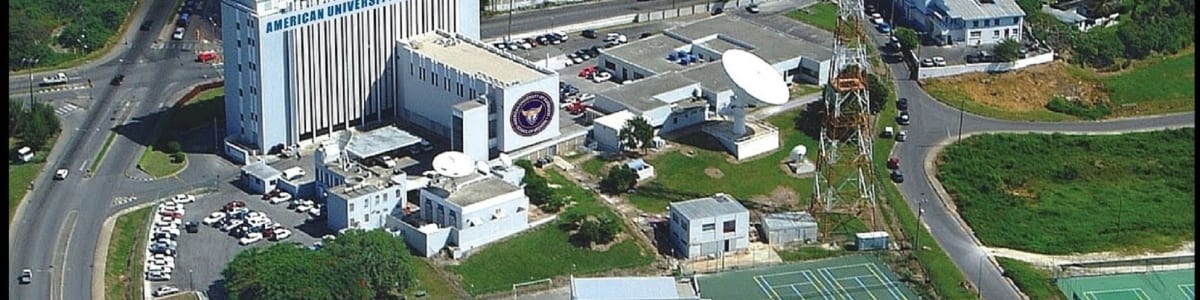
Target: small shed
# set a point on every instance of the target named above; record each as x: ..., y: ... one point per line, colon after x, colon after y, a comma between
x: 790, y: 227
x: 643, y: 170
x: 868, y: 241
x: 607, y: 130
x: 259, y: 178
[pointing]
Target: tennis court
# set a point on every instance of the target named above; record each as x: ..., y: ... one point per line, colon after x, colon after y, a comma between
x: 1177, y: 284
x: 850, y: 277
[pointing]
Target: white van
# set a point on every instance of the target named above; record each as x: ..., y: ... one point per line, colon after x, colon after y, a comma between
x: 293, y: 173
x: 25, y: 154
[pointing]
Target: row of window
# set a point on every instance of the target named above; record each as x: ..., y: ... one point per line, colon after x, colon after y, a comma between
x: 727, y: 227
x: 989, y: 22
x: 1007, y: 33
x: 445, y: 81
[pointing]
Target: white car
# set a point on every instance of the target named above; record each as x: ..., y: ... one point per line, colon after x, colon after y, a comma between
x: 157, y: 262
x: 281, y: 234
x: 165, y: 222
x: 158, y: 268
x: 174, y: 232
x: 168, y: 242
x: 178, y: 34
x: 281, y: 198
x: 162, y: 257
x: 170, y: 205
x: 601, y: 77
x: 232, y: 224
x: 939, y: 61
x: 158, y: 276
x: 213, y: 218
x: 61, y: 174
x: 184, y: 198
x: 303, y: 207
x: 255, y: 215
x: 165, y: 290
x: 175, y: 221
x: 250, y: 238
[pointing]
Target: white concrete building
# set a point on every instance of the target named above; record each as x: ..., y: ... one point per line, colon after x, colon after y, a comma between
x: 462, y: 214
x: 709, y: 226
x: 965, y: 22
x: 486, y: 101
x: 299, y: 71
x: 359, y: 191
x: 632, y: 288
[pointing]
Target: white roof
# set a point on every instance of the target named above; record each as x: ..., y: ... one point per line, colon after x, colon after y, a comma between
x: 615, y: 120
x: 623, y: 288
x: 871, y: 235
x: 472, y: 57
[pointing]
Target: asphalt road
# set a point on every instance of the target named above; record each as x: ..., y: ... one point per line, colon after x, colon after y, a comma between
x: 57, y: 233
x: 934, y: 123
x: 544, y: 19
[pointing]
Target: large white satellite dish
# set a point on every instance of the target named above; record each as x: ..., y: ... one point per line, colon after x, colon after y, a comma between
x: 754, y: 81
x: 453, y: 164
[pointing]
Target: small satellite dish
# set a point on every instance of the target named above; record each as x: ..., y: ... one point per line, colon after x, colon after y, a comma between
x: 482, y: 167
x: 453, y: 164
x: 506, y: 160
x: 798, y: 153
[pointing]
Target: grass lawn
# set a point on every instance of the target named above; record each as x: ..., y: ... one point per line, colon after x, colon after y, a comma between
x: 123, y: 272
x: 822, y: 15
x: 1165, y: 84
x: 954, y: 96
x: 808, y: 253
x: 198, y: 112
x: 1033, y: 281
x: 680, y: 177
x: 20, y: 175
x: 594, y: 166
x: 1059, y: 194
x: 430, y: 281
x: 546, y: 252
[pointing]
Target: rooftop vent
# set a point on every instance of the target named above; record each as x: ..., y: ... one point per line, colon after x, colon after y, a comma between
x: 353, y: 181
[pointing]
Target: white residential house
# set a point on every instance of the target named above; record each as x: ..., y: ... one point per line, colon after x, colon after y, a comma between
x: 709, y: 226
x: 1075, y: 15
x: 462, y: 214
x: 965, y: 22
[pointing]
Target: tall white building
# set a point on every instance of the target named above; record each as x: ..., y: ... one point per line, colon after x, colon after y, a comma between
x: 297, y: 71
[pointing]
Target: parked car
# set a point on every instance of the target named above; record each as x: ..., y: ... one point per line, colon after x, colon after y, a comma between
x: 903, y: 118
x: 884, y: 27
x: 192, y: 227
x: 902, y: 104
x: 231, y: 224
x: 893, y: 163
x: 876, y: 18
x: 588, y: 33
x: 902, y: 136
x: 588, y: 71
x: 26, y: 276
x: 165, y: 290
x: 752, y: 8
x: 500, y: 45
x: 158, y: 276
x: 229, y: 207
x: 281, y: 234
x: 118, y: 80
x: 250, y: 238
x: 602, y: 76
x: 178, y: 35
x: 61, y: 174
x: 897, y: 176
x: 213, y: 218
x: 184, y: 198
x: 887, y: 132
x: 939, y: 61
x: 173, y: 232
x: 925, y: 62
x: 981, y: 57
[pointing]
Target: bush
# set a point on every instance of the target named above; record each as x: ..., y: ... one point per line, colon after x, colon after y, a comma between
x: 1079, y: 109
x: 177, y: 157
x: 880, y: 91
x: 908, y: 38
x: 173, y: 147
x: 620, y: 179
x: 1008, y: 50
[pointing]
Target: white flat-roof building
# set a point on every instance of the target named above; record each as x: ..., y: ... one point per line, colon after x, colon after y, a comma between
x: 631, y: 288
x: 709, y: 226
x: 359, y: 191
x: 485, y: 101
x: 299, y: 71
x: 965, y: 22
x: 461, y: 214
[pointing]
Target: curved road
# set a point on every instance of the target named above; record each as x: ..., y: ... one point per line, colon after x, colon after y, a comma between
x: 934, y: 124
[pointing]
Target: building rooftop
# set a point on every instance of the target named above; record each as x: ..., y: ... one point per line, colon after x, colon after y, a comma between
x: 471, y: 189
x: 650, y: 53
x: 974, y: 10
x: 467, y: 105
x: 615, y: 120
x: 368, y: 187
x: 717, y: 205
x: 473, y: 57
x: 791, y: 219
x: 1068, y: 16
x: 379, y: 141
x: 728, y: 31
x: 639, y: 96
x: 711, y: 77
x: 622, y: 288
x: 261, y: 170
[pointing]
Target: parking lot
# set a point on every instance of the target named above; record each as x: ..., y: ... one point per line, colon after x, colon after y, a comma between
x: 203, y: 255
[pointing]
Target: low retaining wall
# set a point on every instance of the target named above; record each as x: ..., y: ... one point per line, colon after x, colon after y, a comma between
x: 935, y: 72
x: 503, y: 6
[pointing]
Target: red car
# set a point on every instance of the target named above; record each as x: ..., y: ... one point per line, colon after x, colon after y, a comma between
x: 587, y: 71
x: 229, y: 207
x: 893, y: 163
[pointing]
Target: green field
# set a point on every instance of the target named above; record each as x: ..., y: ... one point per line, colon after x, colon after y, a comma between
x: 1058, y: 194
x: 679, y: 177
x: 1164, y: 84
x: 21, y: 175
x: 546, y: 252
x: 822, y: 15
x: 430, y: 281
x: 123, y: 265
x: 954, y: 96
x: 1033, y: 281
x: 200, y: 111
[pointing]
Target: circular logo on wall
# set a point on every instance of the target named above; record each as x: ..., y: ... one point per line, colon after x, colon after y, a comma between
x: 532, y: 113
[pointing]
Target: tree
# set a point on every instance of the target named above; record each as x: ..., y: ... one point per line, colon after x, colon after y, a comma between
x: 599, y: 229
x: 177, y: 157
x: 908, y: 38
x: 357, y: 265
x: 880, y: 91
x: 173, y: 147
x: 1008, y: 50
x: 637, y: 134
x: 1098, y: 48
x: 619, y: 179
x: 1030, y: 6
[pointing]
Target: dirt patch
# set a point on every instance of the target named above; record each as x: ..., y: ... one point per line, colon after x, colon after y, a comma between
x: 1028, y: 89
x: 781, y: 197
x: 714, y: 172
x: 1022, y: 192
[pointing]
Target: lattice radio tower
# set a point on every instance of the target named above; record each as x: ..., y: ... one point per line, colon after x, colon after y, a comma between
x: 846, y: 123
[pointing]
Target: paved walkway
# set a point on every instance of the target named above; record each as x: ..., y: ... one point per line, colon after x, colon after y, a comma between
x: 1047, y: 260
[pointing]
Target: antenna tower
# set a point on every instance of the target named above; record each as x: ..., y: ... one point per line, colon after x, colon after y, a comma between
x: 845, y: 180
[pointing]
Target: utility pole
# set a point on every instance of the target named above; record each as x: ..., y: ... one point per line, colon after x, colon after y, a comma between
x: 511, y: 7
x: 961, y: 106
x: 31, y: 62
x: 917, y: 232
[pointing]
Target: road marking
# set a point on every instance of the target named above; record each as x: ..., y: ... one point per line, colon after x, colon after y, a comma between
x: 83, y: 166
x: 65, y: 109
x: 69, y: 227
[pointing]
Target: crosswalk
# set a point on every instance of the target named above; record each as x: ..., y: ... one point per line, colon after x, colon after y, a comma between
x: 122, y: 200
x: 184, y: 46
x: 65, y: 109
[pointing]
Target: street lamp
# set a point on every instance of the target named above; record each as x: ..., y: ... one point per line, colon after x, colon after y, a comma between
x: 31, y: 62
x: 920, y: 215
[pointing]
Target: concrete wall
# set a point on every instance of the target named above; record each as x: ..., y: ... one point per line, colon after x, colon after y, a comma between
x: 515, y: 209
x: 367, y: 211
x: 683, y: 118
x: 427, y: 244
x: 935, y: 72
